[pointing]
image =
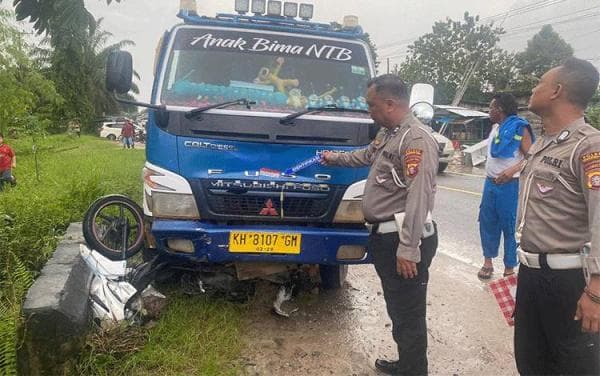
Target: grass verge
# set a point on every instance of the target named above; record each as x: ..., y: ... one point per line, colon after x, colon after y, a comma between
x: 57, y: 180
x: 195, y: 336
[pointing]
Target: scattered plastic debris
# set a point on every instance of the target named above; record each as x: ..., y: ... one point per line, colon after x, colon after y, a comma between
x: 284, y: 294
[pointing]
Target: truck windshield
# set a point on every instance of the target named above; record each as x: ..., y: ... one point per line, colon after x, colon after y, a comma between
x: 282, y: 73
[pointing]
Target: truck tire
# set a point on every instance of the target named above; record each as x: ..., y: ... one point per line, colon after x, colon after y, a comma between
x: 442, y: 167
x: 111, y: 137
x: 103, y: 230
x: 333, y: 276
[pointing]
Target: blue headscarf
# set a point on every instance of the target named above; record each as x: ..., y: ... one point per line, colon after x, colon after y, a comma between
x: 510, y: 134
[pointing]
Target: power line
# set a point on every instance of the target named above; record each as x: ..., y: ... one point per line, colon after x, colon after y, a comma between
x: 523, y: 29
x: 530, y: 26
x: 525, y: 9
x: 511, y: 13
x: 584, y: 34
x: 527, y: 26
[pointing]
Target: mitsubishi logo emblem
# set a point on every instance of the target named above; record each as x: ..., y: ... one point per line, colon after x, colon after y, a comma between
x: 269, y: 209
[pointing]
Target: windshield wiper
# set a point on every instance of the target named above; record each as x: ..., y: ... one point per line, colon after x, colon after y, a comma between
x: 197, y: 111
x: 288, y: 120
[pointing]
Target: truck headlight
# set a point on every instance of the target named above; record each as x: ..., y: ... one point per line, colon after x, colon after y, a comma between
x: 167, y: 195
x: 349, y: 211
x: 173, y: 205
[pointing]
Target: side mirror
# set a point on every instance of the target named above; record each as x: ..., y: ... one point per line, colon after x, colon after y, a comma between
x: 423, y: 111
x: 119, y: 72
x: 421, y: 93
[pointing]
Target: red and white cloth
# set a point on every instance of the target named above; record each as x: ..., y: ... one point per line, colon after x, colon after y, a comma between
x: 505, y: 292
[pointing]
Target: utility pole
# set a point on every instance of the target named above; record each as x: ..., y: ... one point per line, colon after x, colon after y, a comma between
x: 388, y: 65
x: 460, y: 92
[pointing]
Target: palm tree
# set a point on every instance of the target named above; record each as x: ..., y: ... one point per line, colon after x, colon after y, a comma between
x: 95, y: 54
x: 77, y: 65
x: 46, y: 15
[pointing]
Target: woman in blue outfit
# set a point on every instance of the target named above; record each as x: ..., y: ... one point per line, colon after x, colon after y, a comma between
x: 508, y: 144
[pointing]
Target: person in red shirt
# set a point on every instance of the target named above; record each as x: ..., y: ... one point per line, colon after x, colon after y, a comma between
x: 128, y: 135
x: 8, y: 161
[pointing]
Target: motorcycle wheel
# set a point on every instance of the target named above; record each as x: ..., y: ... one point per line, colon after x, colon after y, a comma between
x: 114, y: 226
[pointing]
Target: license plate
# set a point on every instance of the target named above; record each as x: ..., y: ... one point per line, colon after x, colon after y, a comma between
x: 264, y: 242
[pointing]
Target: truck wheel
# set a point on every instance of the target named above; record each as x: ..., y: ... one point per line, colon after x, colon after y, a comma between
x: 111, y: 137
x: 442, y: 167
x: 333, y: 276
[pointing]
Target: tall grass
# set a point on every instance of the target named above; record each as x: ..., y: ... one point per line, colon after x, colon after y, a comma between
x: 194, y: 336
x: 35, y: 214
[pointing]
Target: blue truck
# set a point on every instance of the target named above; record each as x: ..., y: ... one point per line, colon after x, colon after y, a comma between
x: 239, y: 100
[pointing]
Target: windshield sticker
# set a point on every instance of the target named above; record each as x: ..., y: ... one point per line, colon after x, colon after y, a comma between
x: 263, y: 43
x: 207, y: 67
x: 359, y: 70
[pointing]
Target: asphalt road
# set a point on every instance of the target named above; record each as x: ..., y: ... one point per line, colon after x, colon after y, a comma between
x: 343, y: 332
x: 456, y: 211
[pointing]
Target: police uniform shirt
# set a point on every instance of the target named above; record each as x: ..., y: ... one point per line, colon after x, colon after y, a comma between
x: 411, y: 154
x: 560, y: 194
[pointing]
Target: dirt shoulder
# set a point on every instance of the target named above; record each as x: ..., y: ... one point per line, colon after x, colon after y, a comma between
x: 343, y: 333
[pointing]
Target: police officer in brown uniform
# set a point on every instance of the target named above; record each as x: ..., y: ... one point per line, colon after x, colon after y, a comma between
x: 557, y: 316
x: 397, y: 204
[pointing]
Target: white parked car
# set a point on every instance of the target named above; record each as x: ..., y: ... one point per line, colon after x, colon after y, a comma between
x: 112, y: 130
x: 446, y: 151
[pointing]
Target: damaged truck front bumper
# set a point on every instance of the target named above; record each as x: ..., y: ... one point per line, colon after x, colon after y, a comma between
x: 210, y: 243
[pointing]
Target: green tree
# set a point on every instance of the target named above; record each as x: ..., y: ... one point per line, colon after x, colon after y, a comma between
x: 44, y: 14
x: 79, y: 72
x: 545, y: 50
x: 593, y: 110
x: 24, y: 90
x: 96, y: 54
x: 73, y: 55
x: 455, y: 50
x: 593, y: 116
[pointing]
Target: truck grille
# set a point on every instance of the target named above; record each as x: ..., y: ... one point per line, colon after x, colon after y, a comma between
x: 265, y: 200
x: 252, y: 206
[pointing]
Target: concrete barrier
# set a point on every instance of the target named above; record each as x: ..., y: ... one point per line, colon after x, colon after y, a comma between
x: 56, y: 310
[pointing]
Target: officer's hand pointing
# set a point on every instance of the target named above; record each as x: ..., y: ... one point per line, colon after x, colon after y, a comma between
x: 407, y: 269
x: 327, y: 158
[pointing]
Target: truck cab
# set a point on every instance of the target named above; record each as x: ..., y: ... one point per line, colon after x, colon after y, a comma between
x: 239, y: 101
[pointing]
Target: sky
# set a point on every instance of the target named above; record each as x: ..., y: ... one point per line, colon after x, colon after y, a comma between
x: 392, y: 24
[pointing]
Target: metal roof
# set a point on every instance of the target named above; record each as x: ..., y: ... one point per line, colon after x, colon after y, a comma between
x: 462, y: 111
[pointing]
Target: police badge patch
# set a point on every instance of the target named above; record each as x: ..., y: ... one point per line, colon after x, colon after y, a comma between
x: 591, y: 169
x: 412, y: 160
x: 594, y: 181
